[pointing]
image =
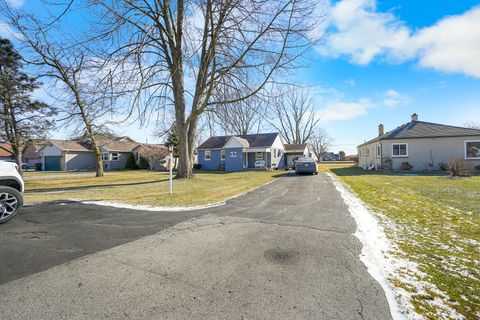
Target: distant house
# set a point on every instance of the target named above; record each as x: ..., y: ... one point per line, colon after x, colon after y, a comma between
x: 78, y: 154
x: 293, y: 151
x: 6, y: 152
x: 422, y: 145
x: 155, y: 154
x: 244, y: 152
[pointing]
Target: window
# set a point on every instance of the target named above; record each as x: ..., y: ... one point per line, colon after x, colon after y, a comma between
x: 222, y: 153
x: 114, y: 156
x: 105, y: 156
x: 360, y: 153
x: 472, y: 149
x: 368, y: 152
x: 399, y: 150
x: 379, y: 151
x: 279, y: 153
x: 208, y: 155
x: 258, y: 155
x: 233, y: 154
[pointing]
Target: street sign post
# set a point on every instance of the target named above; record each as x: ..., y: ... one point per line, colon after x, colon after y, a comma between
x: 170, y: 166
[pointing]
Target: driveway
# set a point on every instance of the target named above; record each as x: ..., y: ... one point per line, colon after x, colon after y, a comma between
x: 284, y: 251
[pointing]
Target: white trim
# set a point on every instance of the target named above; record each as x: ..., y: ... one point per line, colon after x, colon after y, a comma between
x: 400, y: 155
x: 465, y: 150
x: 103, y: 156
x: 111, y: 156
x: 209, y: 155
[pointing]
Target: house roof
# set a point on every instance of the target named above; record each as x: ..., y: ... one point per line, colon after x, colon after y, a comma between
x: 254, y: 140
x: 69, y: 145
x: 293, y: 147
x: 422, y: 129
x: 158, y: 149
x: 122, y: 144
x: 6, y: 150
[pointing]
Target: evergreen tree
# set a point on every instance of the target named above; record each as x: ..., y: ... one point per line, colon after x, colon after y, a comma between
x: 22, y: 120
x: 172, y: 139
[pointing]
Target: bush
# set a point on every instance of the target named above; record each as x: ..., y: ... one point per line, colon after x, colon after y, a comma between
x: 221, y: 167
x: 460, y: 167
x: 443, y: 166
x: 477, y: 168
x: 405, y: 166
x: 130, y: 163
x: 197, y: 166
x: 143, y: 164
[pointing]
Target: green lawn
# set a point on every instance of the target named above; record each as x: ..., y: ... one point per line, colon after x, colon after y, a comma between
x: 143, y: 187
x: 435, y: 221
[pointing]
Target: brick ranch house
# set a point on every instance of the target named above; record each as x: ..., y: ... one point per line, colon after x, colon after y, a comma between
x: 422, y: 145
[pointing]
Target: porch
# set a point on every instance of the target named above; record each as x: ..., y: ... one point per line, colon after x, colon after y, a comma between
x: 256, y: 158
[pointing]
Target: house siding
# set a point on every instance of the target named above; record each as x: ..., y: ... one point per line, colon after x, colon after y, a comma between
x: 117, y: 164
x: 80, y: 161
x: 421, y: 152
x: 213, y: 163
x: 233, y: 162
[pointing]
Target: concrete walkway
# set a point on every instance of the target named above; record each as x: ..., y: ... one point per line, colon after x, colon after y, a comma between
x: 285, y: 251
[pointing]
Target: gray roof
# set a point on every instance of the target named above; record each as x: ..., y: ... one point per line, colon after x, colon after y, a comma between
x: 254, y: 140
x: 422, y: 129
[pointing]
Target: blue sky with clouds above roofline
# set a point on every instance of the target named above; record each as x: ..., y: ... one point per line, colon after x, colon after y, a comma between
x: 380, y: 61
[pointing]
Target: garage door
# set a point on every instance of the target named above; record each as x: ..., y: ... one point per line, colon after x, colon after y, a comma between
x: 52, y: 163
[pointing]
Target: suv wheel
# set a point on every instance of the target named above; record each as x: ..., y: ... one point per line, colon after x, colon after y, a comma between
x: 11, y: 201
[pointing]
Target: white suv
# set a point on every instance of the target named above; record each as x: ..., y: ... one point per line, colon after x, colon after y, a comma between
x: 11, y: 189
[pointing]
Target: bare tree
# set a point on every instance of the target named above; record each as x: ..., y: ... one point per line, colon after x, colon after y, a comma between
x: 472, y: 125
x: 319, y: 143
x: 293, y: 115
x: 78, y: 82
x: 186, y: 51
x: 241, y: 117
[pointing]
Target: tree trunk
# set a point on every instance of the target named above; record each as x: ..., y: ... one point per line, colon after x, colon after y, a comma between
x: 184, y: 164
x: 18, y: 159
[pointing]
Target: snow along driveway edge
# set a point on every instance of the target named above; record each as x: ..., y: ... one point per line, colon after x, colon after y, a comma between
x: 123, y: 205
x: 375, y: 251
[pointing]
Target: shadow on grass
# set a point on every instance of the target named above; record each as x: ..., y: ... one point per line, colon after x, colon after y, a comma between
x: 94, y: 186
x: 353, y: 171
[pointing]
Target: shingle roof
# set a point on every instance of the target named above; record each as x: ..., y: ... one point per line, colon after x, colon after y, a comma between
x: 69, y: 145
x: 6, y: 150
x: 295, y: 146
x: 422, y: 129
x: 254, y: 140
x: 123, y: 144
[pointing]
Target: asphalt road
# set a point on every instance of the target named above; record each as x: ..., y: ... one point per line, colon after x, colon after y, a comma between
x: 284, y: 251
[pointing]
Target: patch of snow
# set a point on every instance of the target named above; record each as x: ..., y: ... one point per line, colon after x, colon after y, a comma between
x: 149, y: 208
x: 165, y: 208
x: 375, y: 254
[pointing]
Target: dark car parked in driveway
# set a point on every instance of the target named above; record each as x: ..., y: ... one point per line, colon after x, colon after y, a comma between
x: 306, y: 165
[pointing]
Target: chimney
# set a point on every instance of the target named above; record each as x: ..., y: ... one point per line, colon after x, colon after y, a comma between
x: 380, y: 130
x: 414, y: 117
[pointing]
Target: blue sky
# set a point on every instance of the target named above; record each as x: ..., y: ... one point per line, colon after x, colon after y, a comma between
x: 380, y: 62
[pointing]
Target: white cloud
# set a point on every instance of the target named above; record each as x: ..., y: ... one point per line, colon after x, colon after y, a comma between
x: 7, y: 32
x: 15, y: 3
x: 451, y: 45
x: 343, y: 110
x: 392, y: 98
x: 357, y: 30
